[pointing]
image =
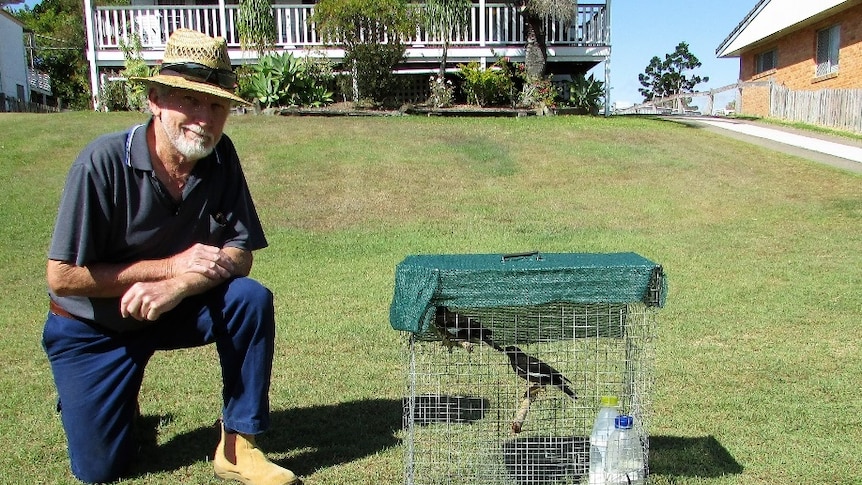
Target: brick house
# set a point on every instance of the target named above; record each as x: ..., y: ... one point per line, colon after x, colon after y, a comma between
x: 796, y: 44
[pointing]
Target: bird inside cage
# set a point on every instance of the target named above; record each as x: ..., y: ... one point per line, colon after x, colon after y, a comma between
x: 535, y: 371
x: 538, y: 374
x: 461, y: 330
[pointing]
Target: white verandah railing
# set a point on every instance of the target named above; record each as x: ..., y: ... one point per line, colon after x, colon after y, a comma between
x: 490, y: 24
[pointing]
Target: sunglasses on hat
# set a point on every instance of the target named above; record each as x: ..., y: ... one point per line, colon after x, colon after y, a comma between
x: 220, y: 77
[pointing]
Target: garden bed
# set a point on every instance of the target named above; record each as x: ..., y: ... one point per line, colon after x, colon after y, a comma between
x: 349, y: 109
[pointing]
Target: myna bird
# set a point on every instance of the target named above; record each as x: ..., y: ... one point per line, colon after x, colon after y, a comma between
x: 535, y: 371
x: 461, y: 329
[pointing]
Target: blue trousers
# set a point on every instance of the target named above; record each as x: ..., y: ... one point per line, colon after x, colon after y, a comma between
x: 98, y: 373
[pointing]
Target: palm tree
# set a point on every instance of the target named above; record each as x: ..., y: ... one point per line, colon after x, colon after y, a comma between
x: 536, y: 13
x: 444, y: 19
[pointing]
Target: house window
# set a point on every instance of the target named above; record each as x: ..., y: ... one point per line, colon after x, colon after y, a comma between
x: 828, y: 41
x: 765, y: 61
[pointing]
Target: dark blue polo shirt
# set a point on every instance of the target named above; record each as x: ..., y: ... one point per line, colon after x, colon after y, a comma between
x: 114, y: 210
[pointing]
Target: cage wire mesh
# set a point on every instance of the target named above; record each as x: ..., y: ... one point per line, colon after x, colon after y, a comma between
x: 470, y: 419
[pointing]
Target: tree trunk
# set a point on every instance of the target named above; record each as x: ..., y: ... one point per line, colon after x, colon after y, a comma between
x: 443, y: 60
x: 355, y: 82
x: 536, y: 50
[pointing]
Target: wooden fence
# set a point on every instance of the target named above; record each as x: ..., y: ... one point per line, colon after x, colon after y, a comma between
x: 834, y: 108
x: 840, y: 109
x: 673, y: 104
x: 14, y: 105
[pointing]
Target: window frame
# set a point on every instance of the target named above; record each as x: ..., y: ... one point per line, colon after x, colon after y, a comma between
x: 827, y: 50
x: 759, y: 65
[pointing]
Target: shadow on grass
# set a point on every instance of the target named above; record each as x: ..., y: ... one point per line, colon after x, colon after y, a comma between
x: 702, y: 457
x: 315, y: 437
x: 322, y: 436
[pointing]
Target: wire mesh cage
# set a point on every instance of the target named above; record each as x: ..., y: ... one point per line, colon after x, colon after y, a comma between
x: 508, y: 393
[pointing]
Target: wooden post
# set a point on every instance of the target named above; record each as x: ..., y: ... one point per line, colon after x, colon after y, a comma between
x: 222, y: 19
x: 89, y: 28
x: 524, y: 407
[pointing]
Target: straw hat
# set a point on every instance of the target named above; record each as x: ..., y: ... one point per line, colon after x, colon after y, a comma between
x: 196, y: 62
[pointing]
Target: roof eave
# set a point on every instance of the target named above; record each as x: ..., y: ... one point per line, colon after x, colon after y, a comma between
x: 721, y: 50
x: 731, y: 42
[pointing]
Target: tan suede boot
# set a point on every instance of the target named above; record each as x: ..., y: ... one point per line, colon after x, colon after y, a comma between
x: 237, y: 457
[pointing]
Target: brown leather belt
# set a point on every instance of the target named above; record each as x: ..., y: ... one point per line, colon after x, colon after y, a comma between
x: 56, y: 309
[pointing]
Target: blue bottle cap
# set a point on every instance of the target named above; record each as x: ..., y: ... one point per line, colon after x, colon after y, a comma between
x: 623, y: 422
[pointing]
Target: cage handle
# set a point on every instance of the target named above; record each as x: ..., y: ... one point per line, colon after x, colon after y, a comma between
x: 528, y: 254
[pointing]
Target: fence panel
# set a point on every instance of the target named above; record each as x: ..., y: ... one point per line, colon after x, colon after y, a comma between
x: 834, y: 108
x: 14, y: 105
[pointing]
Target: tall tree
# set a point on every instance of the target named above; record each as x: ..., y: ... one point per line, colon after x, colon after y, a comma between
x: 60, y: 48
x: 536, y: 15
x: 444, y: 19
x: 256, y: 25
x: 672, y: 75
x: 372, y: 33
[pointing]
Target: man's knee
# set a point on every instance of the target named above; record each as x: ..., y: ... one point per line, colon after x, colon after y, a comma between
x: 250, y: 295
x: 255, y: 291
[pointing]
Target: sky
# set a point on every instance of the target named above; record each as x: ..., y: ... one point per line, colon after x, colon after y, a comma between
x: 641, y: 29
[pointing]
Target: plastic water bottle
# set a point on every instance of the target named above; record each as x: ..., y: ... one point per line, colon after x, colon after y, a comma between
x: 624, y: 462
x: 602, y: 429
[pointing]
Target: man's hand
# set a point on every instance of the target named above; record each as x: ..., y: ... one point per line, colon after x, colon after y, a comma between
x: 209, y: 261
x: 193, y: 271
x: 147, y: 289
x: 149, y: 300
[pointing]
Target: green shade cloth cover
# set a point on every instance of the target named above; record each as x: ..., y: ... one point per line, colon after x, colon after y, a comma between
x: 423, y: 282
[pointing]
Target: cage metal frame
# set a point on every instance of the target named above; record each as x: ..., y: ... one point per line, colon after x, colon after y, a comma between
x: 462, y: 398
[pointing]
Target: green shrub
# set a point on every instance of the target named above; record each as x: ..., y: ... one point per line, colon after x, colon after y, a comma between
x: 486, y: 87
x: 538, y: 93
x: 135, y: 66
x: 526, y: 91
x: 586, y: 93
x: 319, y: 69
x: 282, y: 80
x: 113, y: 96
x: 442, y: 92
x: 375, y: 65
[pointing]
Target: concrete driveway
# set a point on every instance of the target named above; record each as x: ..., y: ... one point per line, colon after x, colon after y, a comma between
x: 837, y: 151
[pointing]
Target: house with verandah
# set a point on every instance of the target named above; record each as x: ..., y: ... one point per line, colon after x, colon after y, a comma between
x: 496, y: 30
x: 798, y: 45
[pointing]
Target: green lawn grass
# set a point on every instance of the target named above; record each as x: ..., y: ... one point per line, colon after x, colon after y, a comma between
x: 758, y: 360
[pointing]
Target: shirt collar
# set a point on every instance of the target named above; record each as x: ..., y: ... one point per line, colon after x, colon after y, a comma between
x: 137, y: 152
